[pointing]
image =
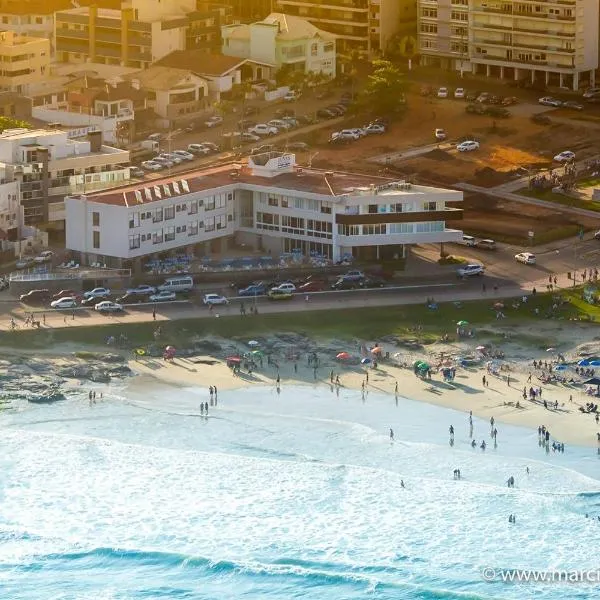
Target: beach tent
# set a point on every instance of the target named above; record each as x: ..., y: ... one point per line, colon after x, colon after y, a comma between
x: 594, y: 363
x: 561, y: 367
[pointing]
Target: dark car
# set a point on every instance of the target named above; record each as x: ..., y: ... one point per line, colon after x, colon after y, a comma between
x: 132, y: 299
x: 325, y: 113
x: 312, y: 286
x: 35, y: 297
x: 305, y: 120
x: 92, y: 300
x: 372, y: 282
x: 253, y: 290
x: 345, y: 284
x: 65, y: 294
x: 211, y: 146
x: 336, y: 110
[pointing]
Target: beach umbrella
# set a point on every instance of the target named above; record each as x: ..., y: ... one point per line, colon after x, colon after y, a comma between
x: 376, y: 350
x: 365, y: 361
x: 253, y: 343
x: 343, y: 356
x: 583, y: 363
x: 560, y: 367
x: 462, y: 323
x: 595, y: 363
x: 550, y: 349
x: 480, y: 348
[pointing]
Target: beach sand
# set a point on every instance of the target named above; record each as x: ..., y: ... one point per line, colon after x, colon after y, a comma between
x: 466, y: 393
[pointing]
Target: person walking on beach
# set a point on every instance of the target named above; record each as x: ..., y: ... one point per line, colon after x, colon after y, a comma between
x: 451, y: 430
x: 206, y: 407
x: 396, y: 388
x: 367, y: 374
x: 201, y: 408
x: 391, y: 434
x: 215, y: 390
x: 331, y: 376
x: 483, y: 380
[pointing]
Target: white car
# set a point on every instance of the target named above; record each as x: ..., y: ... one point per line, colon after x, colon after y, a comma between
x: 163, y: 296
x: 459, y: 93
x: 214, y: 122
x: 442, y: 92
x: 291, y: 121
x: 374, y: 128
x: 165, y: 162
x: 67, y: 302
x: 142, y: 289
x: 440, y: 134
x: 279, y: 124
x: 470, y: 270
x: 345, y: 134
x: 198, y: 149
x: 565, y: 156
x: 108, y: 306
x: 292, y: 95
x: 174, y: 158
x: 183, y: 154
x: 526, y: 258
x: 550, y: 101
x: 214, y: 300
x: 468, y: 146
x: 249, y: 138
x: 152, y: 165
x: 263, y: 129
x: 44, y: 256
x: 98, y: 292
x: 359, y: 131
x: 285, y: 287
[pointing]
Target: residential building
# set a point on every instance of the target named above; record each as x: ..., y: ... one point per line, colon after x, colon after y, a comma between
x: 204, y: 31
x: 175, y: 95
x: 25, y: 62
x: 268, y: 204
x: 249, y: 11
x: 362, y: 25
x: 282, y: 40
x: 553, y: 42
x: 47, y: 165
x: 10, y: 209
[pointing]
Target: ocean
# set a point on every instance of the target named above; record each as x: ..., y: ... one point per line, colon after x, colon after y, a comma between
x: 295, y: 495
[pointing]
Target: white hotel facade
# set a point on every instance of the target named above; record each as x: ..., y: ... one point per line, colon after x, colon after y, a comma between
x: 269, y: 204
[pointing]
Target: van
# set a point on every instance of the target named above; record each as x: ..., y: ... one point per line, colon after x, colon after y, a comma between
x: 467, y: 240
x: 487, y: 244
x: 177, y: 284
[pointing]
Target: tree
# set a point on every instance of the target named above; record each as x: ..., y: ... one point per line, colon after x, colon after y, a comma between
x: 384, y: 93
x: 9, y: 123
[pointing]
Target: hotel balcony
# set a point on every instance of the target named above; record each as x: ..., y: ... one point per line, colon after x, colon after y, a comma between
x: 314, y: 7
x: 520, y: 29
x: 523, y: 46
x: 521, y: 15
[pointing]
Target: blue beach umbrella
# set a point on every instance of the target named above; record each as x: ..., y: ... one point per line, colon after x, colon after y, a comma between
x: 583, y: 363
x: 595, y: 363
x: 365, y: 361
x: 560, y: 367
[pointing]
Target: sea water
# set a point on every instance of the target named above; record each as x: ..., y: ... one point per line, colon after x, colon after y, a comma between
x: 283, y: 496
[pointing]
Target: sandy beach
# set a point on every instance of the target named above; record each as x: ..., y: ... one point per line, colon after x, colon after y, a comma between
x: 466, y: 393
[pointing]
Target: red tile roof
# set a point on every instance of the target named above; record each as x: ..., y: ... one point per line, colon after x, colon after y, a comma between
x: 200, y: 63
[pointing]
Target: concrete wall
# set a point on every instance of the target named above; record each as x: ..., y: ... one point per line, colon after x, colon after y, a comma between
x: 263, y: 42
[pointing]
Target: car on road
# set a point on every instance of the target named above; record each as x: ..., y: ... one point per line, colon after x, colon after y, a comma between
x: 298, y: 146
x: 292, y: 96
x: 262, y: 129
x: 214, y: 300
x: 136, y: 172
x: 68, y: 302
x: 442, y: 92
x: 527, y: 258
x: 591, y: 92
x: 470, y: 270
x: 163, y: 296
x: 374, y: 128
x: 165, y: 162
x: 550, y: 101
x: 573, y: 105
x: 65, y: 293
x: 35, y: 297
x: 142, y: 289
x: 132, y: 299
x: 287, y: 286
x: 277, y: 294
x: 152, y: 165
x: 467, y: 146
x: 486, y: 244
x: 255, y: 289
x: 565, y: 156
x: 440, y: 134
x: 99, y: 292
x: 171, y: 156
x: 212, y: 147
x: 372, y: 281
x: 108, y: 307
x: 214, y: 121
x: 354, y: 275
x: 249, y: 138
x: 44, y: 256
x: 183, y: 154
x: 312, y: 286
x: 345, y: 135
x: 199, y: 149
x: 459, y: 93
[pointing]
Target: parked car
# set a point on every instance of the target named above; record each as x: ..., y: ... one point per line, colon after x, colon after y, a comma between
x: 527, y: 258
x: 440, y: 134
x: 136, y: 172
x: 487, y: 244
x: 345, y: 134
x: 590, y: 92
x: 65, y: 293
x: 541, y: 119
x: 35, y: 297
x: 470, y: 270
x: 277, y: 294
x: 442, y: 92
x: 257, y: 289
x: 459, y: 93
x: 183, y: 154
x: 374, y: 128
x: 312, y: 286
x: 132, y: 299
x: 44, y: 256
x: 163, y: 296
x: 292, y: 96
x: 24, y: 263
x: 212, y: 147
x: 286, y: 286
x: 565, y: 156
x: 169, y: 156
x: 165, y: 162
x: 571, y: 104
x: 152, y: 165
x: 468, y: 146
x: 325, y: 113
x: 214, y: 121
x: 597, y: 235
x: 509, y: 100
x: 63, y: 303
x: 214, y: 300
x: 199, y: 149
x: 99, y: 292
x: 108, y: 307
x: 550, y: 101
x: 142, y: 289
x: 249, y: 138
x: 262, y: 129
x: 291, y: 122
x: 354, y: 275
x: 345, y: 284
x: 279, y: 124
x: 372, y: 282
x: 338, y: 111
x: 483, y: 98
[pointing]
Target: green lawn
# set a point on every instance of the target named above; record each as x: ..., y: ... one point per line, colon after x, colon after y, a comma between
x: 364, y: 323
x: 550, y: 196
x: 589, y: 182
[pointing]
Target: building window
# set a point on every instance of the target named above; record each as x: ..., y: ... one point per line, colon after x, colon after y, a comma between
x: 209, y: 224
x: 157, y: 236
x: 209, y: 203
x: 96, y: 239
x: 429, y: 12
x: 314, y: 49
x: 193, y: 208
x: 273, y: 201
x: 192, y: 228
x: 95, y: 219
x: 134, y: 220
x: 428, y: 28
x: 169, y: 212
x: 430, y: 206
x: 328, y: 47
x: 158, y: 215
x: 134, y: 241
x: 221, y: 221
x: 169, y: 234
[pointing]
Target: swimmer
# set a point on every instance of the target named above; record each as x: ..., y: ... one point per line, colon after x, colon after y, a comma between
x: 402, y: 483
x: 482, y: 445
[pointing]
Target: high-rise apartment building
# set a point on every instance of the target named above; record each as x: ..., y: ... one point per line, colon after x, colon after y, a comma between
x: 25, y: 62
x: 366, y: 25
x: 554, y: 42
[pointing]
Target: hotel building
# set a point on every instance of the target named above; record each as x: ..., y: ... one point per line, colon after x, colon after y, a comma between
x: 554, y: 42
x: 269, y: 204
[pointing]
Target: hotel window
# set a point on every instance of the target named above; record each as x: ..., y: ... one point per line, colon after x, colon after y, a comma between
x: 430, y: 227
x: 193, y: 208
x: 96, y: 239
x: 285, y: 202
x: 314, y: 49
x: 273, y: 201
x: 209, y: 203
x: 134, y: 241
x: 267, y: 221
x: 459, y: 15
x: 429, y: 206
x: 373, y: 229
x: 95, y: 219
x: 192, y: 228
x: 169, y: 212
x: 428, y: 28
x: 209, y: 224
x: 400, y: 227
x: 221, y: 221
x: 134, y: 220
x: 292, y: 225
x: 157, y: 236
x: 158, y: 215
x: 220, y: 200
x: 169, y: 234
x: 326, y: 208
x: 429, y: 12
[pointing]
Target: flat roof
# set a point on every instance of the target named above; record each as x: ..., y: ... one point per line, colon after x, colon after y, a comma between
x: 328, y: 184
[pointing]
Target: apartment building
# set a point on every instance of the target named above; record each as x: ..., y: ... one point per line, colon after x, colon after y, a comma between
x: 553, y: 42
x: 47, y: 165
x: 364, y: 25
x: 138, y: 34
x: 249, y: 11
x: 281, y: 40
x: 24, y: 62
x: 269, y: 204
